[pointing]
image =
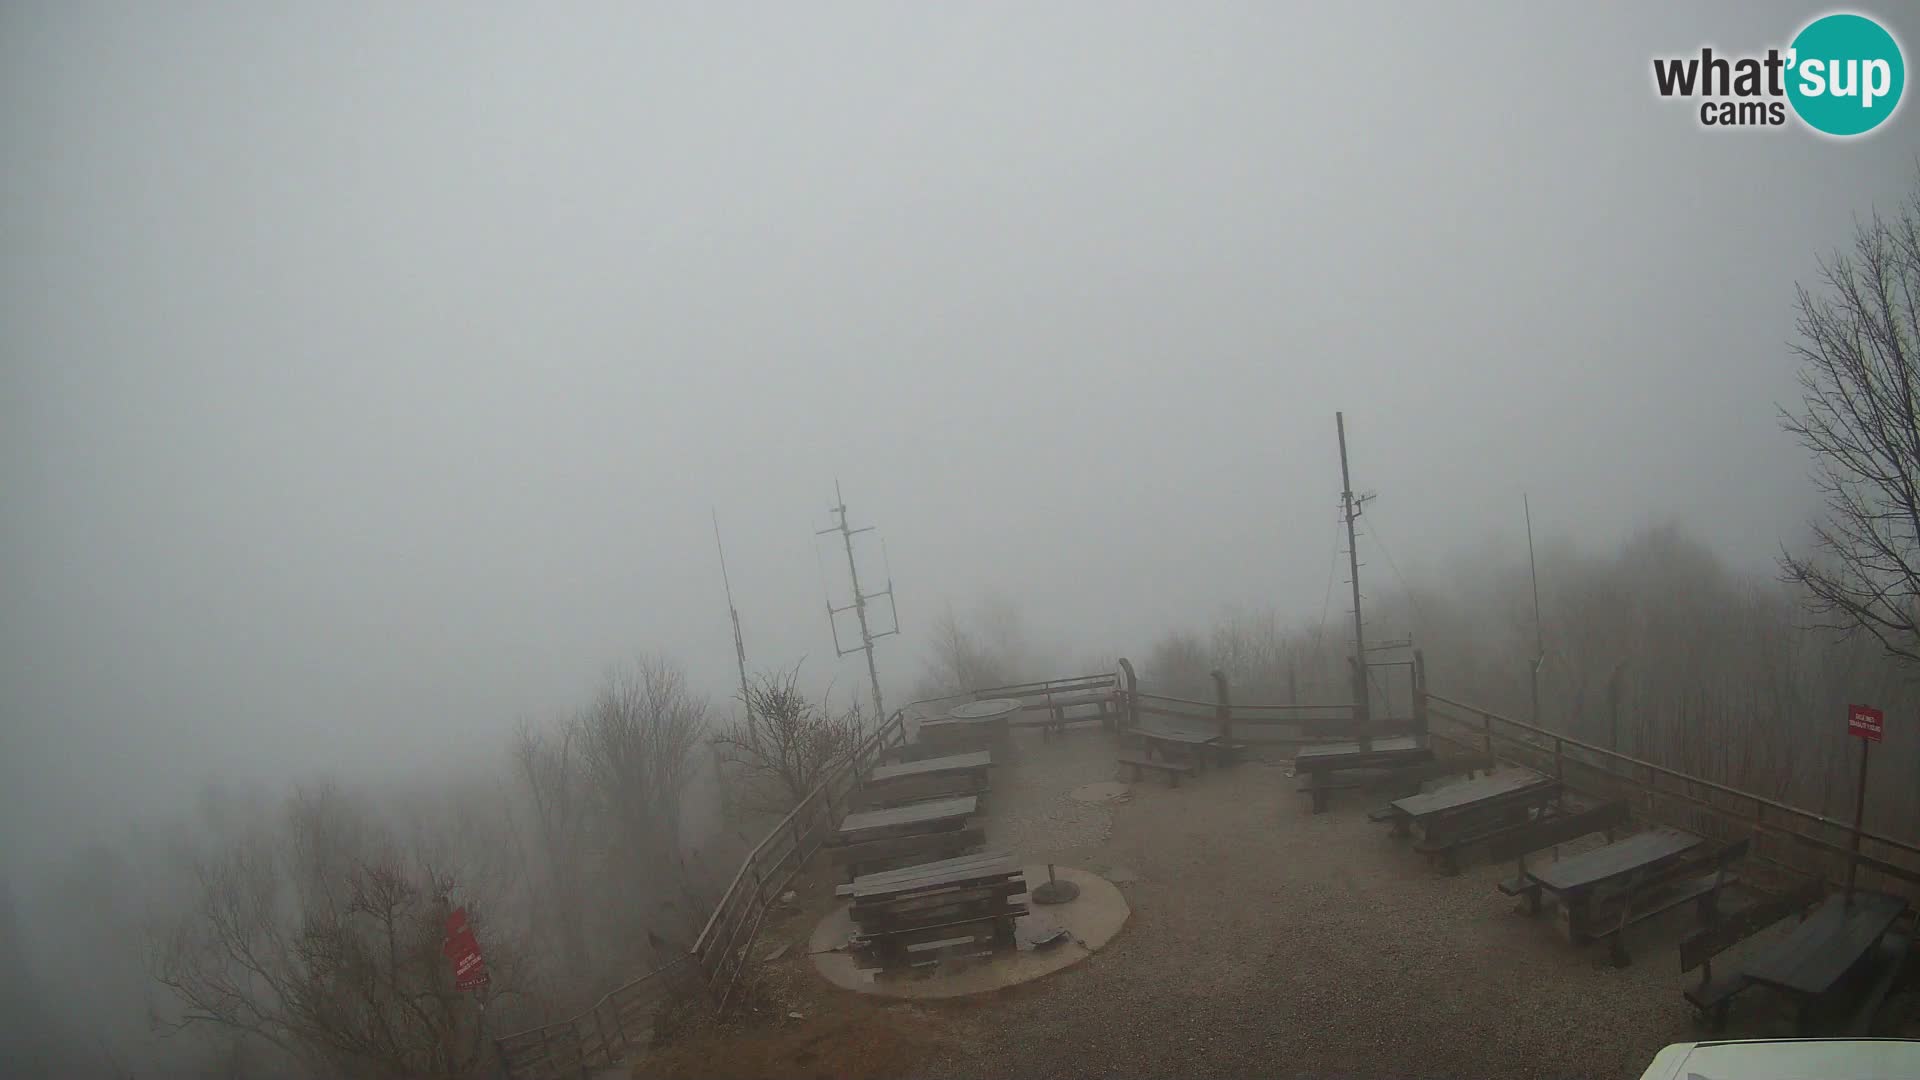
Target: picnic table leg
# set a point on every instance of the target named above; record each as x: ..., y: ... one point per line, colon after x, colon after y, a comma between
x: 1402, y: 825
x: 1319, y: 788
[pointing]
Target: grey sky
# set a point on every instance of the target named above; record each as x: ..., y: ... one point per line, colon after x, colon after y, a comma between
x: 368, y: 371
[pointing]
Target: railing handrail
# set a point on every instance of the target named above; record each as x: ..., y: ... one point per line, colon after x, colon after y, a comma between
x: 542, y: 1029
x: 702, y: 943
x: 1041, y: 686
x: 1689, y: 778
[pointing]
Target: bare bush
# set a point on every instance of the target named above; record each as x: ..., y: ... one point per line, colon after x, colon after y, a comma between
x: 792, y: 744
x: 987, y: 647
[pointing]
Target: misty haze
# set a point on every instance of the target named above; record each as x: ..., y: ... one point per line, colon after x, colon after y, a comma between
x: 441, y: 443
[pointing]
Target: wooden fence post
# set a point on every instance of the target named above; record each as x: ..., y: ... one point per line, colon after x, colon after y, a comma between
x: 1486, y: 727
x: 1223, y: 709
x: 1559, y: 766
x: 1131, y: 694
x: 606, y: 1048
x: 1419, y: 694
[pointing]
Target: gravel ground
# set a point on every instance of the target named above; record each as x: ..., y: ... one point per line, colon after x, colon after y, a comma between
x: 1268, y: 941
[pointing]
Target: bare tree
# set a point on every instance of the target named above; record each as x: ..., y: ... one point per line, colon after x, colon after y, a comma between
x: 793, y: 744
x: 548, y: 768
x: 321, y: 939
x: 1860, y: 377
x: 635, y: 743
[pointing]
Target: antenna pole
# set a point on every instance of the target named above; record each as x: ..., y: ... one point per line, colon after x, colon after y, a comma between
x: 739, y: 646
x: 1351, y: 508
x: 1539, y: 632
x: 859, y: 605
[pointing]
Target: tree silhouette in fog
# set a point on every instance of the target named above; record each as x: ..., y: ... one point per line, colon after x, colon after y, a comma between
x: 1859, y: 349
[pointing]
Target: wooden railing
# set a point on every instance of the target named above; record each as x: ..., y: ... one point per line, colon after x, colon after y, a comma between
x: 603, y: 1034
x: 1276, y: 724
x: 598, y: 1038
x: 1785, y: 836
x: 722, y: 947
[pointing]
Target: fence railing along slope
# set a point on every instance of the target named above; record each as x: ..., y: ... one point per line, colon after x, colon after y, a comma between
x: 621, y: 1021
x: 1787, y: 836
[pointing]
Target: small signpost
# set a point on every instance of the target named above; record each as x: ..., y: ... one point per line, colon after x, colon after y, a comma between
x: 1866, y: 723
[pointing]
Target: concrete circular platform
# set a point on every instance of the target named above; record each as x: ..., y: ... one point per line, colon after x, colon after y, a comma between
x: 1091, y: 920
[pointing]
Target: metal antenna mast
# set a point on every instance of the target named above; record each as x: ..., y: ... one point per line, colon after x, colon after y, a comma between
x: 739, y: 646
x: 1350, y: 507
x: 859, y: 605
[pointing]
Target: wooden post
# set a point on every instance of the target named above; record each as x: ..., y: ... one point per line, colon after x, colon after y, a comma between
x: 1419, y: 694
x: 620, y: 1029
x: 1131, y: 694
x: 1859, y: 813
x: 606, y: 1048
x: 1559, y: 767
x: 1486, y: 728
x: 1223, y: 709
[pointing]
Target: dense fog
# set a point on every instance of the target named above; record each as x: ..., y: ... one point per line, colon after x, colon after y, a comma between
x: 373, y: 378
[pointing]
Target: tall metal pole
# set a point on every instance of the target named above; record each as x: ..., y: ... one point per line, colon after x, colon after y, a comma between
x: 1859, y: 819
x: 739, y: 646
x: 1352, y: 511
x: 1539, y: 632
x: 860, y: 599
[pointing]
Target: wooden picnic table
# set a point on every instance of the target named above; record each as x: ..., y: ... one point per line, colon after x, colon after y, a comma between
x: 1810, y: 962
x: 1469, y: 798
x: 952, y: 763
x: 1187, y: 743
x: 936, y: 816
x: 1576, y: 880
x: 971, y: 723
x: 1388, y: 750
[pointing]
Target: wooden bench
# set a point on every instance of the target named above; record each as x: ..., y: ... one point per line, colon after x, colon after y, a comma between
x: 1173, y: 770
x: 1055, y: 704
x: 1712, y: 996
x: 1520, y: 843
x: 1412, y: 778
x: 1525, y: 808
x: 1652, y: 893
x: 1889, y: 963
x: 1318, y: 764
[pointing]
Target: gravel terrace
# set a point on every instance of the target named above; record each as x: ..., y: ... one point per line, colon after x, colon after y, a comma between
x: 1264, y: 941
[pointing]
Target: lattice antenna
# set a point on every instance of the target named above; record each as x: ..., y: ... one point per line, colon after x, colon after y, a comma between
x: 859, y: 604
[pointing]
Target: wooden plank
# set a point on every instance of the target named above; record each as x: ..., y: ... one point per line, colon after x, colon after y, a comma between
x: 1472, y: 793
x: 930, y: 875
x: 895, y: 847
x: 1593, y: 868
x: 1559, y: 830
x: 950, y: 763
x: 916, y: 789
x: 1731, y: 929
x: 1824, y: 947
x: 899, y: 816
x: 893, y: 905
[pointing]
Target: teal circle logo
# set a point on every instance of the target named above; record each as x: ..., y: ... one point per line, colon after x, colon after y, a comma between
x: 1845, y: 74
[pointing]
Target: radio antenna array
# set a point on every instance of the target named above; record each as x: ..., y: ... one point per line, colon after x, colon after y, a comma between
x: 860, y: 599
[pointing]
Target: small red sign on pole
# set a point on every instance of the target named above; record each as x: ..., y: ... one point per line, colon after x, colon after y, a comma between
x: 1865, y: 722
x: 463, y: 948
